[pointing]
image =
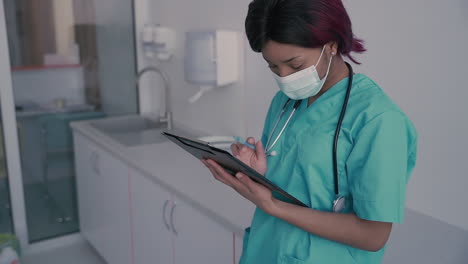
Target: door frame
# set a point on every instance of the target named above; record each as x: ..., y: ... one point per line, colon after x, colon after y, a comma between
x: 13, y: 158
x: 11, y: 138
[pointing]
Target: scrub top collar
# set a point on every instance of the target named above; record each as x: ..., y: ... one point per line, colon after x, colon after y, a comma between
x: 336, y: 89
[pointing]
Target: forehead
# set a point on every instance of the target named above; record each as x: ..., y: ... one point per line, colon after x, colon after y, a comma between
x: 277, y: 52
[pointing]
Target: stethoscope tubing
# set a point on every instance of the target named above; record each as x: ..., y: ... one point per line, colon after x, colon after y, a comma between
x: 268, y: 147
x: 296, y: 105
x: 338, y: 130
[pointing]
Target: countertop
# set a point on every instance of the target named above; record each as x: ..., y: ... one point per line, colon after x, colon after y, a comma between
x: 180, y: 173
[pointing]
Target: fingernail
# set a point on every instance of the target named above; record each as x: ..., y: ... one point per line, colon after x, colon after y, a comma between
x: 239, y: 175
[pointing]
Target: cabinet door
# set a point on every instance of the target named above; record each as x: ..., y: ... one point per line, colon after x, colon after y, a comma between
x: 150, y: 209
x: 115, y: 216
x: 89, y: 204
x: 199, y: 239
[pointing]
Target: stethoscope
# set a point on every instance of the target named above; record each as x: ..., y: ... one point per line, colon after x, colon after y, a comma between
x: 340, y: 201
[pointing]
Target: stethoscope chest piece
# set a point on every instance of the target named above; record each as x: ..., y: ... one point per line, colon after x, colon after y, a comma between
x: 339, y: 204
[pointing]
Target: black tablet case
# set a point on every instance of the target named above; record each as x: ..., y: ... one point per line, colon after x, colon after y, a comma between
x: 202, y: 150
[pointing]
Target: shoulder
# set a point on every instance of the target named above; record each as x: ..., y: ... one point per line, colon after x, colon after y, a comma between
x: 369, y: 99
x: 368, y: 104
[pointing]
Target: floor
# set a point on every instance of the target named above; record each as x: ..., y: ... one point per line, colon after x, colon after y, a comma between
x: 80, y: 253
x: 48, y: 209
x: 51, y: 211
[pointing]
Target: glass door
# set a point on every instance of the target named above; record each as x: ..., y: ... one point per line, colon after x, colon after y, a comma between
x: 70, y: 60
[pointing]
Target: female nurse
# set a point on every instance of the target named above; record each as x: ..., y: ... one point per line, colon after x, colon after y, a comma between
x: 354, y: 192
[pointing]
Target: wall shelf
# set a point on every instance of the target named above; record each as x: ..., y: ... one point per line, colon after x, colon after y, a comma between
x: 44, y: 67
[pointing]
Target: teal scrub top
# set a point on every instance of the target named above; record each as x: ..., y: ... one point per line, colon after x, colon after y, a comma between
x: 376, y: 155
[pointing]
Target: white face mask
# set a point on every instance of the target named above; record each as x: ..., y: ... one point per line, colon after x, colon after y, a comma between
x: 303, y: 84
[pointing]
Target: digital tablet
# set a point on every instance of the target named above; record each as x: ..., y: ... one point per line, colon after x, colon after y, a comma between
x: 202, y: 150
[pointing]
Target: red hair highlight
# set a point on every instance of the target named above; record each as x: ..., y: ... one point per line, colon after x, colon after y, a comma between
x: 332, y: 23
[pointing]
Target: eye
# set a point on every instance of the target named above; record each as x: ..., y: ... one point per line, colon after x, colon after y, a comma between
x: 272, y: 66
x: 296, y: 67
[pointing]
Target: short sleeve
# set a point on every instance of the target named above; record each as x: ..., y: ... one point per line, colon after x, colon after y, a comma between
x: 378, y: 168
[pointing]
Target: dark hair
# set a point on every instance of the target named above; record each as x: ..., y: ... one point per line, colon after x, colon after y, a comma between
x: 305, y: 23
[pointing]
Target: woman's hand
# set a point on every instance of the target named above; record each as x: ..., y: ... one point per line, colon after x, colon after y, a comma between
x: 254, y: 192
x: 256, y: 159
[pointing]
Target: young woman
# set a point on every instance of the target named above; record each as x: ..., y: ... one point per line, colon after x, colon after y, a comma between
x: 332, y: 139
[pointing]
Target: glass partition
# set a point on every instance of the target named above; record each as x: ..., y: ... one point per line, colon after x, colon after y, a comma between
x: 71, y: 60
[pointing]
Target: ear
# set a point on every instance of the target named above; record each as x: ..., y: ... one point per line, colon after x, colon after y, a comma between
x: 333, y: 46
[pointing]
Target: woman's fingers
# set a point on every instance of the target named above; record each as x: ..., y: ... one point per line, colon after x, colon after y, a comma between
x: 219, y: 171
x: 259, y: 150
x: 228, y: 178
x: 238, y: 148
x: 235, y: 149
x: 251, y: 140
x: 241, y: 183
x: 244, y: 179
x: 218, y: 177
x: 215, y: 174
x: 245, y: 148
x: 251, y: 185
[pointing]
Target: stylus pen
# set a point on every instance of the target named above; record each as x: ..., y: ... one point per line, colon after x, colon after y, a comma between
x: 240, y: 140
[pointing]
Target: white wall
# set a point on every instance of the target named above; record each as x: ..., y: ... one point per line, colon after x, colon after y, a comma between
x: 43, y: 86
x: 220, y: 111
x: 416, y: 52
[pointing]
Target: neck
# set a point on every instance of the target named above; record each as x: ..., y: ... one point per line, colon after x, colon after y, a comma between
x: 338, y: 71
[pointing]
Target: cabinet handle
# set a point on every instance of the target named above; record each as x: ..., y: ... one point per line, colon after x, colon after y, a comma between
x: 172, y: 218
x: 164, y: 215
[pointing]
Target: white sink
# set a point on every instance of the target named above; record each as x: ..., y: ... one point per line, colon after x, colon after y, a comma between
x: 134, y: 130
x: 126, y: 124
x: 131, y: 130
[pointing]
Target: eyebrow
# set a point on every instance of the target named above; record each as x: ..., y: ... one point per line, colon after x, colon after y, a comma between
x: 286, y: 61
x: 291, y: 59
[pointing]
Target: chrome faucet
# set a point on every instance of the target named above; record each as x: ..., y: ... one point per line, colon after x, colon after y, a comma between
x: 167, y: 118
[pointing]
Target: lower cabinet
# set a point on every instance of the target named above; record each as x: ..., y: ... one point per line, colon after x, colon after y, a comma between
x: 103, y: 201
x: 168, y: 230
x: 152, y: 234
x: 199, y: 239
x: 130, y: 219
x: 116, y: 217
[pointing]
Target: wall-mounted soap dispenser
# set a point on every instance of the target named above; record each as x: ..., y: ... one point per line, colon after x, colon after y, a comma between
x: 211, y: 59
x: 159, y: 41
